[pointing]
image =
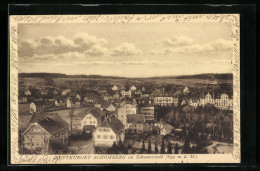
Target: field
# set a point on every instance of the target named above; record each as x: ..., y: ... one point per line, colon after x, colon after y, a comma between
x: 108, y: 81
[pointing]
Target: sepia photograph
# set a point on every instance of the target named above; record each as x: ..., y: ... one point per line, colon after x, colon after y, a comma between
x: 154, y: 87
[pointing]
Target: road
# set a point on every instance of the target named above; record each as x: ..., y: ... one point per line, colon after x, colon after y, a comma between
x: 87, y: 148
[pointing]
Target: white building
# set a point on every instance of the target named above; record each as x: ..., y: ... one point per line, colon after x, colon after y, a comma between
x: 186, y: 90
x: 223, y: 102
x: 91, y: 118
x: 163, y: 101
x: 109, y: 131
x: 32, y: 107
x: 124, y: 110
x: 133, y: 88
x: 69, y: 103
x: 115, y: 88
x: 126, y: 93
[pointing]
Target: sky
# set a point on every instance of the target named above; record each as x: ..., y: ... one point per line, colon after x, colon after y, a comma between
x: 126, y: 49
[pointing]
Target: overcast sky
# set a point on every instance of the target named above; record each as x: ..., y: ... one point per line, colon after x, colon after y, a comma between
x: 130, y: 50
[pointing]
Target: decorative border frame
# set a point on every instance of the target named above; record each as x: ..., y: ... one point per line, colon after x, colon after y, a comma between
x: 16, y: 158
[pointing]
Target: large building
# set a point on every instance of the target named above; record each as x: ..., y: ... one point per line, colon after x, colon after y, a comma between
x: 222, y: 102
x: 39, y: 133
x: 109, y: 131
x: 148, y: 110
x: 124, y: 110
x: 163, y: 101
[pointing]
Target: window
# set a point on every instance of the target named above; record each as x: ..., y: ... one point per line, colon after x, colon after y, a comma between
x: 41, y: 136
x: 37, y: 144
x: 105, y: 137
x: 90, y: 122
x: 41, y: 143
x: 32, y: 144
x: 84, y: 122
x: 32, y: 130
x: 99, y: 136
x: 111, y: 137
x: 93, y: 122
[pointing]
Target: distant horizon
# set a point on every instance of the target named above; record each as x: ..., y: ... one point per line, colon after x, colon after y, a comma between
x: 121, y: 76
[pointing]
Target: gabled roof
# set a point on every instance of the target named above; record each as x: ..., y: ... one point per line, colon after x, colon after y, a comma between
x: 50, y: 122
x: 53, y: 123
x: 134, y: 118
x: 93, y: 112
x: 39, y: 116
x: 113, y: 123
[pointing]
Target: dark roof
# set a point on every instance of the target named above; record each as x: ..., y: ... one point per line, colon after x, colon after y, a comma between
x: 24, y: 108
x: 105, y: 104
x: 91, y: 96
x: 116, y: 125
x: 113, y: 123
x: 134, y: 118
x: 40, y: 116
x: 53, y: 123
x: 105, y: 124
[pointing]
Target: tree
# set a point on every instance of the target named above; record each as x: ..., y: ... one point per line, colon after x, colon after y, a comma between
x: 149, y: 147
x: 143, y: 147
x: 162, y: 147
x: 169, y: 149
x: 71, y: 113
x: 113, y: 149
x: 186, y: 146
x: 156, y: 148
x: 176, y: 148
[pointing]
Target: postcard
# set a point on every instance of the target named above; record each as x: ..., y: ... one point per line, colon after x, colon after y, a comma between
x: 124, y: 89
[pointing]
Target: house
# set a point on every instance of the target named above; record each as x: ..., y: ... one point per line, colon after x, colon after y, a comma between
x: 55, y: 92
x: 76, y: 103
x: 165, y: 128
x: 147, y: 108
x: 124, y: 110
x: 186, y: 90
x: 44, y: 92
x: 133, y: 88
x: 59, y: 102
x: 213, y: 82
x: 175, y: 101
x: 222, y: 102
x: 135, y: 123
x: 91, y: 117
x: 126, y: 93
x: 109, y: 131
x: 91, y: 98
x: 195, y: 102
x: 28, y: 93
x: 114, y: 88
x: 78, y: 97
x: 108, y: 106
x: 116, y: 96
x: 65, y: 92
x: 38, y: 135
x: 69, y: 103
x: 163, y: 101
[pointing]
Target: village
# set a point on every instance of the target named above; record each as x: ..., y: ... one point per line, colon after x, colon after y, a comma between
x: 125, y: 119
